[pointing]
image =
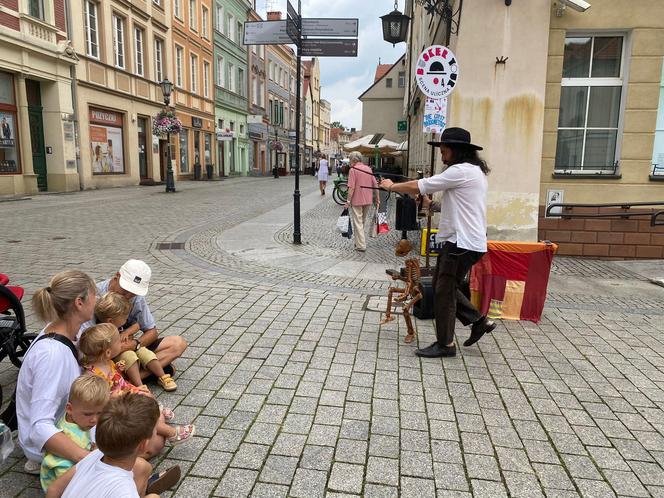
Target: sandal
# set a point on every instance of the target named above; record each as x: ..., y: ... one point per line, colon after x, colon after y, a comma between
x: 167, y: 383
x: 166, y: 412
x: 182, y: 433
x: 160, y: 482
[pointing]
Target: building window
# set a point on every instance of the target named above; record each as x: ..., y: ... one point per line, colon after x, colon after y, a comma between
x: 204, y: 23
x: 402, y: 79
x: 219, y: 20
x: 106, y: 142
x: 37, y: 9
x: 658, y: 151
x: 118, y: 41
x: 238, y: 33
x: 177, y: 9
x: 254, y: 90
x: 230, y: 31
x: 231, y: 77
x: 157, y: 2
x: 91, y: 29
x: 590, y: 104
x: 184, y: 151
x: 158, y: 59
x: 9, y: 156
x: 194, y: 73
x: 179, y: 54
x: 138, y: 51
x: 193, y: 15
x: 206, y: 79
x: 240, y: 82
x: 388, y: 82
x: 220, y: 71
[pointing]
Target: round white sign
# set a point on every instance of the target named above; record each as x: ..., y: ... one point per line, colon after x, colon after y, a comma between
x: 437, y: 71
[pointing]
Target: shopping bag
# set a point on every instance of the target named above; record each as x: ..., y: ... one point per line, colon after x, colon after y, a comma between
x: 343, y: 222
x: 349, y: 233
x: 381, y: 223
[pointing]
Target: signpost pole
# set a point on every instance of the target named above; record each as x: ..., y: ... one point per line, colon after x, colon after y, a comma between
x: 297, y: 236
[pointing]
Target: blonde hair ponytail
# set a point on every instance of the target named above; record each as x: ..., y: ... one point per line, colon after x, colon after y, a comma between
x: 55, y: 301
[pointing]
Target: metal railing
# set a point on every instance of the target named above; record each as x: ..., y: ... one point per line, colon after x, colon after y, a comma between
x: 656, y: 214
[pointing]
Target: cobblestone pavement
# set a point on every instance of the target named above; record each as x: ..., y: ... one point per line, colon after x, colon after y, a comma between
x: 297, y: 391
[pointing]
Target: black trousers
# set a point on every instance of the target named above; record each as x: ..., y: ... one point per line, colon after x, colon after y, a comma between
x: 449, y: 302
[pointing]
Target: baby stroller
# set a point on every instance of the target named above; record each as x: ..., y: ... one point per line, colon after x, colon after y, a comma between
x: 14, y: 341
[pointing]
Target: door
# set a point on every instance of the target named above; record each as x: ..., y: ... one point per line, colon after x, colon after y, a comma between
x: 142, y: 149
x: 221, y: 157
x: 38, y: 151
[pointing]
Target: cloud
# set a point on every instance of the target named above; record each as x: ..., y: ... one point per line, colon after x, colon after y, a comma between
x: 344, y: 78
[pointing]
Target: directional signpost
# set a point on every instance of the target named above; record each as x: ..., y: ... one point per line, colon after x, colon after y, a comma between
x: 297, y: 31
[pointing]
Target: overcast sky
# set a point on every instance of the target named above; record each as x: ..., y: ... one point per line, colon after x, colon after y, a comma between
x: 343, y: 79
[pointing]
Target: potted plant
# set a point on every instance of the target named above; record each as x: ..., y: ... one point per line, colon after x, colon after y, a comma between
x: 166, y: 122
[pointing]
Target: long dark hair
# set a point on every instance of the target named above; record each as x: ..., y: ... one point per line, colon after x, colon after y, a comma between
x: 463, y: 154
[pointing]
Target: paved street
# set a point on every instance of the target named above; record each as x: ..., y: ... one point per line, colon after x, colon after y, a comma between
x: 297, y: 391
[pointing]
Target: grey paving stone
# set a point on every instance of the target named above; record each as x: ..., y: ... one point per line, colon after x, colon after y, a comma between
x: 594, y: 489
x: 417, y: 464
x: 351, y: 451
x: 263, y: 490
x: 323, y: 435
x: 289, y: 444
x: 489, y: 489
x: 450, y: 476
x: 250, y: 456
x: 317, y: 457
x: 625, y: 483
x: 196, y: 486
x: 346, y: 477
x: 413, y: 487
x: 608, y: 458
x: 383, y: 471
x: 385, y: 446
x: 211, y: 464
x: 513, y: 460
x: 261, y: 433
x: 553, y: 476
x: 377, y: 491
x: 481, y: 466
x: 236, y: 482
x: 279, y: 469
x: 524, y: 485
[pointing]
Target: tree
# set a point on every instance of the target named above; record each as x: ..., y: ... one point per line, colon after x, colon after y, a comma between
x: 337, y: 124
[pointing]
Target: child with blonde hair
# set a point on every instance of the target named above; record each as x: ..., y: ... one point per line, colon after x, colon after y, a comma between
x: 114, y: 308
x: 87, y: 397
x: 99, y: 344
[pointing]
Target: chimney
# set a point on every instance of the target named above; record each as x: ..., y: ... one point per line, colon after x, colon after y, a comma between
x: 274, y: 16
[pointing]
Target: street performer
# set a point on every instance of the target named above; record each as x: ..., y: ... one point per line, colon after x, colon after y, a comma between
x: 462, y: 229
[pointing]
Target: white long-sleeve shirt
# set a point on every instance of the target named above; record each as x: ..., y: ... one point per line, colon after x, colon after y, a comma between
x: 44, y: 380
x: 463, y: 206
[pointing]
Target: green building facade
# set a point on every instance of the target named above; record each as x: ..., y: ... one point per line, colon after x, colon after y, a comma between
x: 231, y: 76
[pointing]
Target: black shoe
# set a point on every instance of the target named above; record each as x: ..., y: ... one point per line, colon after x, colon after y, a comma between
x: 436, y: 351
x: 478, y: 329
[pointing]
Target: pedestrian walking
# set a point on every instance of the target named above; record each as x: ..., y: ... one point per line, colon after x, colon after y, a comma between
x: 361, y: 194
x: 462, y: 229
x: 323, y: 173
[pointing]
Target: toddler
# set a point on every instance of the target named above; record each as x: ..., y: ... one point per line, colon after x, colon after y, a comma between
x: 116, y: 470
x: 114, y: 308
x: 87, y: 397
x: 99, y: 344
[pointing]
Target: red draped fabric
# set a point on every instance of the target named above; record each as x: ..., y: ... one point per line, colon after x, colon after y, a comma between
x: 510, y: 280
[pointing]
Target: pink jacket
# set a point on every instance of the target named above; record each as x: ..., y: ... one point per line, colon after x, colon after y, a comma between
x: 361, y: 176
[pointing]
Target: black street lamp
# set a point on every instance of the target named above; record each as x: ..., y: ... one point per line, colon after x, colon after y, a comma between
x: 166, y: 89
x: 395, y: 26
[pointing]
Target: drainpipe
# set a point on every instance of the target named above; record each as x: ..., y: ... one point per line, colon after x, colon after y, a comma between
x: 74, y: 99
x: 410, y: 65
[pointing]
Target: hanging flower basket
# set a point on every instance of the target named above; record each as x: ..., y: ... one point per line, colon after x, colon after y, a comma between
x: 166, y: 122
x: 278, y: 146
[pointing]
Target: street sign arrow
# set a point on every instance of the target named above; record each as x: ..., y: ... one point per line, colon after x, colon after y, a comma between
x: 329, y: 47
x: 293, y: 32
x: 266, y: 33
x: 330, y: 27
x: 293, y: 15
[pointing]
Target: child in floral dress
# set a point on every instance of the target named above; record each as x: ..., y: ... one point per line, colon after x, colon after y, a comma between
x: 101, y: 343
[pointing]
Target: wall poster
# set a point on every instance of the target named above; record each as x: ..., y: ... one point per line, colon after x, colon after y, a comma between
x: 106, y: 145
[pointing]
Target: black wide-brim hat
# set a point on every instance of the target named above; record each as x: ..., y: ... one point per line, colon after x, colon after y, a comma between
x: 455, y: 136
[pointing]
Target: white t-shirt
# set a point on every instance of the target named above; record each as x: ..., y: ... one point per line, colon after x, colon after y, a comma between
x: 44, y: 380
x: 463, y: 206
x: 96, y: 478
